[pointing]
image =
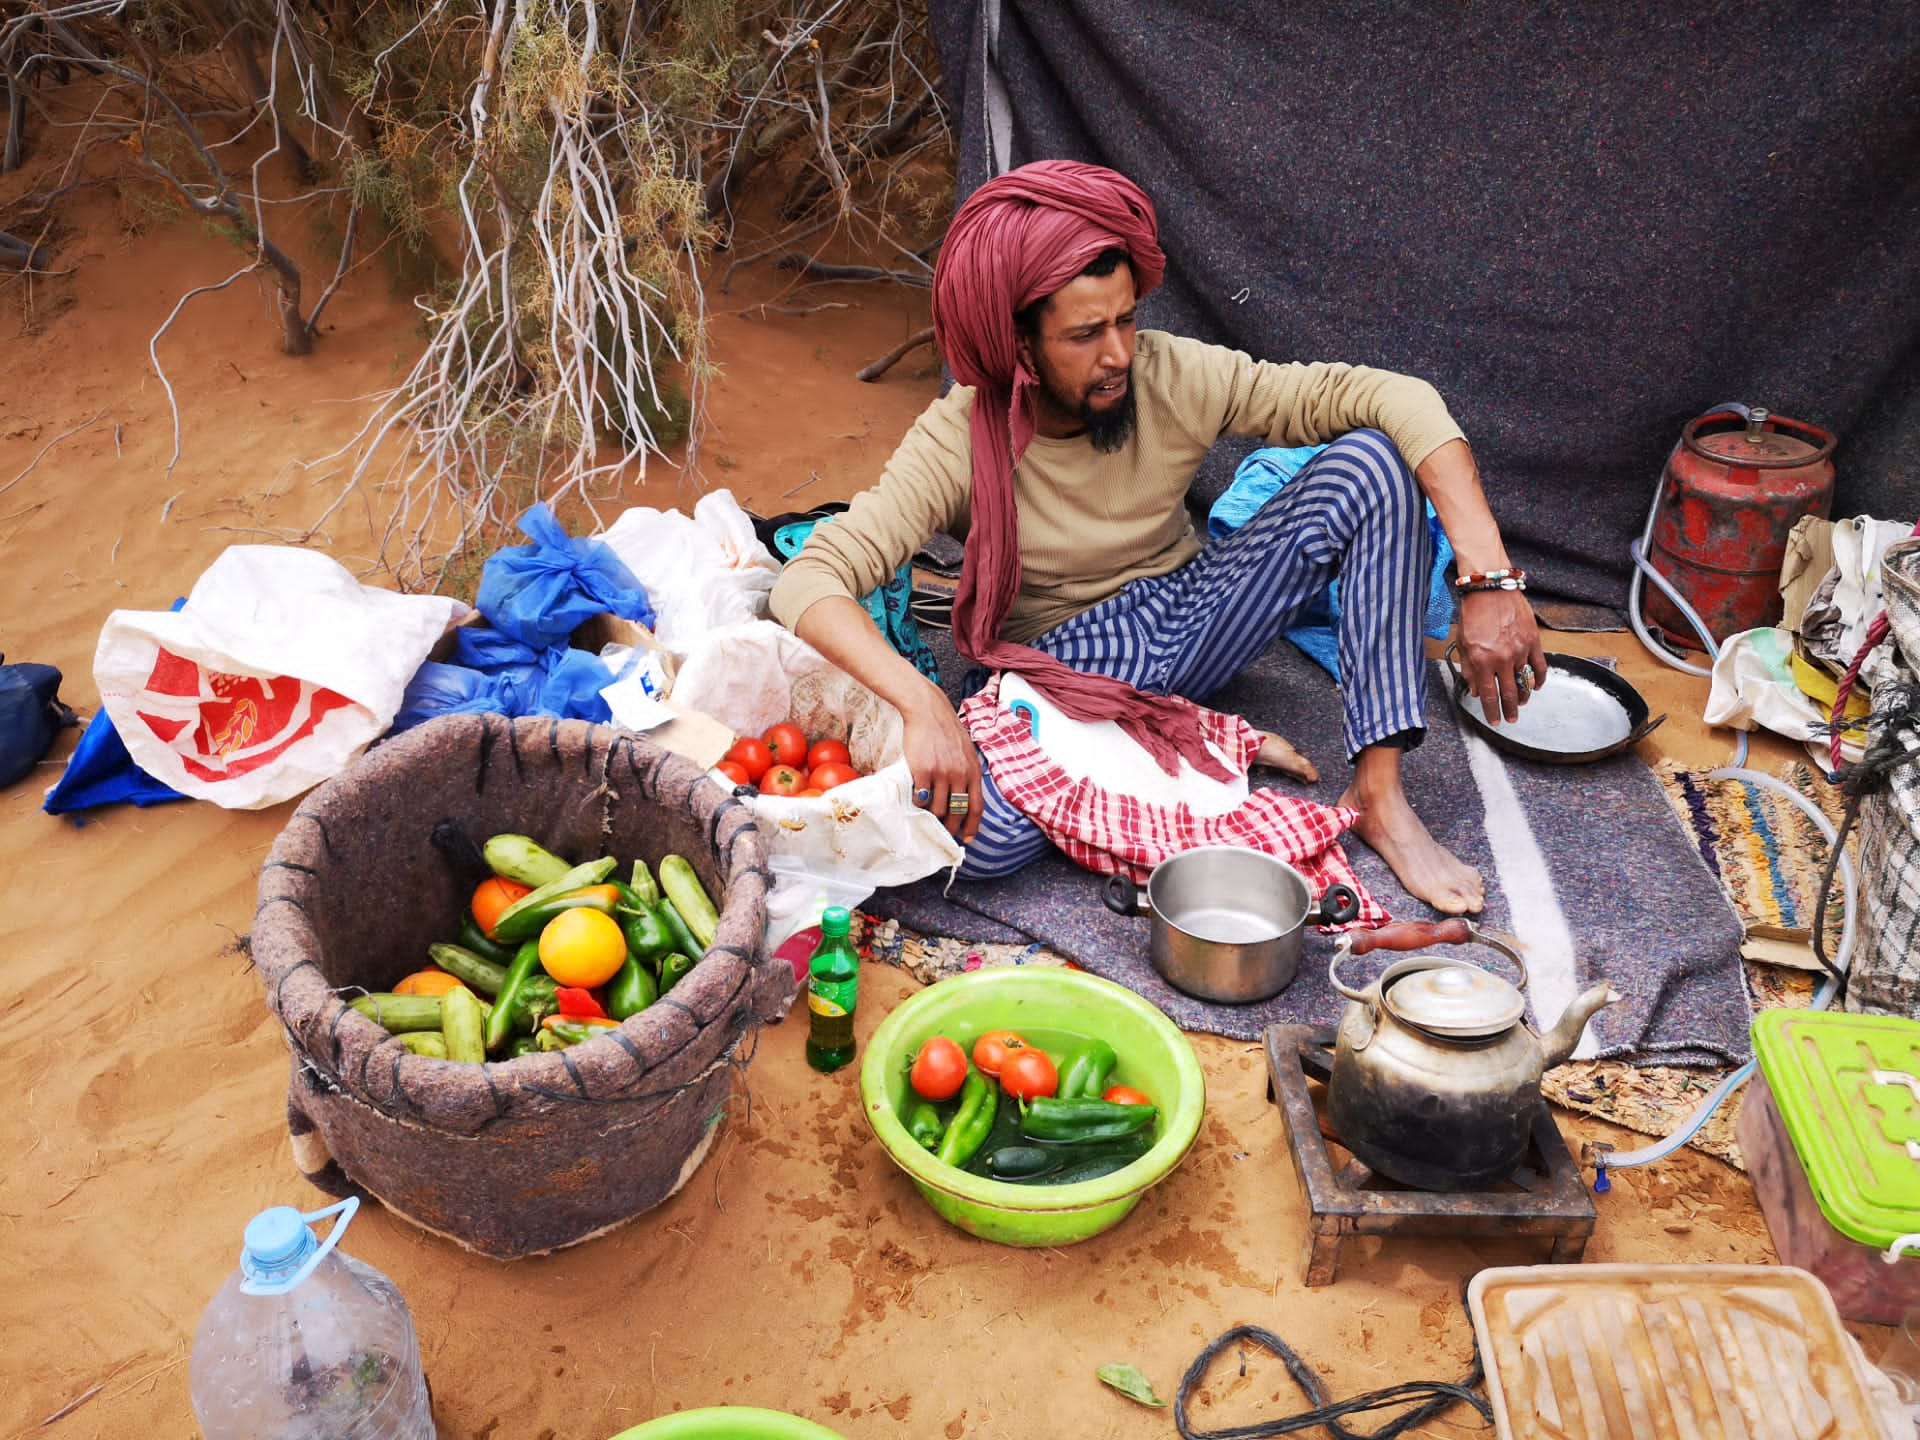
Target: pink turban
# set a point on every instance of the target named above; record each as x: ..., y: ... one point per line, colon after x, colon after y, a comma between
x: 1018, y: 238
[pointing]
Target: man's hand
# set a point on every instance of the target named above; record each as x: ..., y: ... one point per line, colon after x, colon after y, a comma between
x: 939, y: 751
x: 1501, y: 656
x: 946, y: 767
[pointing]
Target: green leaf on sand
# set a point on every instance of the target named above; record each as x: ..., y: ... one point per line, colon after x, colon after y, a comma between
x: 1130, y: 1383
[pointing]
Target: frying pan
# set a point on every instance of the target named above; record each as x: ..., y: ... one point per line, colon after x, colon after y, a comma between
x: 1584, y: 712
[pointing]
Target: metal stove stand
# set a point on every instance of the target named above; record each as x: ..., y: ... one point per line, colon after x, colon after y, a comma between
x: 1546, y: 1196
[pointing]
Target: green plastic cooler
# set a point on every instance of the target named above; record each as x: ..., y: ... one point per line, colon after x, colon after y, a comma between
x: 1830, y: 1129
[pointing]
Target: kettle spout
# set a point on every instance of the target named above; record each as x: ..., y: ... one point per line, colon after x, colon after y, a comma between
x: 1557, y: 1044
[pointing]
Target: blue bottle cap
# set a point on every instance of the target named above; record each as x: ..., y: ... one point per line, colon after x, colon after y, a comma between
x: 276, y: 1241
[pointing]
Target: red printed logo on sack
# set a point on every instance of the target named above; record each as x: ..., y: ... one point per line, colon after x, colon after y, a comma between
x: 233, y: 723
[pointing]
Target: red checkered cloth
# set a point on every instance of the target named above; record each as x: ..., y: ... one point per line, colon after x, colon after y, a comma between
x: 1108, y: 832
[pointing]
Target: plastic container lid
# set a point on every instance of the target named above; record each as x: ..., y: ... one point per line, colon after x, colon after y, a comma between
x: 1848, y: 1091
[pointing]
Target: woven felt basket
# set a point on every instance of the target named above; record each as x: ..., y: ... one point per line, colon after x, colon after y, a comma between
x: 524, y: 1156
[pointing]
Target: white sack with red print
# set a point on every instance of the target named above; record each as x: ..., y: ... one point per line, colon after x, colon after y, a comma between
x: 278, y: 671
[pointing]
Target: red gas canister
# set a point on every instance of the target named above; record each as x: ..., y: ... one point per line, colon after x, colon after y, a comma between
x: 1729, y: 501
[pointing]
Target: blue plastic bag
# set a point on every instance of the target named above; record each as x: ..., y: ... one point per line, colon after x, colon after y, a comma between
x: 101, y: 772
x: 541, y: 593
x: 1316, y: 629
x: 501, y: 676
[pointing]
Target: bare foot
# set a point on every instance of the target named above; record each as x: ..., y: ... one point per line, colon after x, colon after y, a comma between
x: 1277, y: 754
x: 1427, y: 869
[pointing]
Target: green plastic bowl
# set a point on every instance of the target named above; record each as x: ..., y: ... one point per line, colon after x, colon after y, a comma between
x: 1154, y: 1057
x: 729, y: 1422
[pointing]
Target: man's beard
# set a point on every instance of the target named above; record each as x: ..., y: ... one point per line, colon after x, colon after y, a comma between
x: 1107, y: 429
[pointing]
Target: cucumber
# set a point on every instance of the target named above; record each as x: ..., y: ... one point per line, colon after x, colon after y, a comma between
x: 405, y: 1014
x: 429, y: 1043
x: 476, y: 972
x: 519, y: 857
x: 1021, y: 1162
x: 399, y: 1013
x: 684, y: 890
x: 1093, y: 1167
x: 580, y: 876
x: 462, y: 1025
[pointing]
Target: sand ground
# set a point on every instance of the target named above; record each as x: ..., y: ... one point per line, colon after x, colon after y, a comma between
x: 144, y: 1123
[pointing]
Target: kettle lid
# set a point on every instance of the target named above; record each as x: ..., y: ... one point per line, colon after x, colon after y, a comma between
x: 1450, y: 999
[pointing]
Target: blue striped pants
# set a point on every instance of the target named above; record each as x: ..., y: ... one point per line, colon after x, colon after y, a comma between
x: 1354, y: 512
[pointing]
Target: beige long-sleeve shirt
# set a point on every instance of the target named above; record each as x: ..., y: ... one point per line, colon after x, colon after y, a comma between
x: 1090, y: 524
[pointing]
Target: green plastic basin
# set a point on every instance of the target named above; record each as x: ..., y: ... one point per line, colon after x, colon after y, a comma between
x: 1154, y: 1057
x: 729, y: 1422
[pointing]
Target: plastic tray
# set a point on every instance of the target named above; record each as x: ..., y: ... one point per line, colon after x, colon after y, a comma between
x: 1661, y: 1352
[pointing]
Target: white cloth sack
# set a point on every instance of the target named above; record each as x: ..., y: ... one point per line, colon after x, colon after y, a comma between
x: 859, y: 836
x: 701, y: 571
x: 279, y: 670
x: 1753, y: 687
x: 1099, y: 750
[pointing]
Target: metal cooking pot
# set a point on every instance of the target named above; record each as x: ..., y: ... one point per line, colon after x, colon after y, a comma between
x: 1227, y: 921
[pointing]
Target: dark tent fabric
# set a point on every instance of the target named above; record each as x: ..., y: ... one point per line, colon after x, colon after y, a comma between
x: 1585, y: 223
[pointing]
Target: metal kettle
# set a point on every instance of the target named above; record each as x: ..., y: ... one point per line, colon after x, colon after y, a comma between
x: 1436, y: 1075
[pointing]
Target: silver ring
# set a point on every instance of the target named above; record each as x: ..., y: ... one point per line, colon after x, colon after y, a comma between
x: 923, y: 797
x: 958, y: 803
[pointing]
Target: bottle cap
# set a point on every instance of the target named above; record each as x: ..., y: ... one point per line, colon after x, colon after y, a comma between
x: 276, y: 1241
x: 836, y: 921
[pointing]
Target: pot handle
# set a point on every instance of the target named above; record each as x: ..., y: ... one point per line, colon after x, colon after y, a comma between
x: 1645, y: 730
x: 1123, y: 897
x: 1411, y: 935
x: 1336, y: 906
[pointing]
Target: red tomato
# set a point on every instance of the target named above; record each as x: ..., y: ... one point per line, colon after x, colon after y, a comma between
x: 1027, y: 1073
x: 1125, y: 1095
x: 808, y: 794
x: 939, y: 1069
x: 752, y: 756
x: 821, y: 751
x: 735, y: 771
x: 782, y: 780
x: 990, y: 1051
x: 831, y: 773
x: 788, y: 743
x: 493, y: 896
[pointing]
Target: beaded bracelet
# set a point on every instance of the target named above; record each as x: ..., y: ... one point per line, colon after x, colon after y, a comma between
x: 1515, y: 581
x: 1484, y: 580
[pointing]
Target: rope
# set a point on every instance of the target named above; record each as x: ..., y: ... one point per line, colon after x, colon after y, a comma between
x: 1435, y: 1396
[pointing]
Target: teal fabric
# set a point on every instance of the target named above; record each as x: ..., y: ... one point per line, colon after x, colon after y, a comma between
x: 889, y: 604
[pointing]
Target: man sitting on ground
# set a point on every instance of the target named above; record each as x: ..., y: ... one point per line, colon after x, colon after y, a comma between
x: 1064, y: 457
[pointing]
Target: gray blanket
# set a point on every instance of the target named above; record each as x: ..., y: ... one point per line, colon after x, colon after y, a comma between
x: 1587, y: 866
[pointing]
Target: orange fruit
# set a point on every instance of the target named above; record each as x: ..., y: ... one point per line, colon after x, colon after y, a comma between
x: 428, y: 982
x: 493, y: 896
x: 582, y: 947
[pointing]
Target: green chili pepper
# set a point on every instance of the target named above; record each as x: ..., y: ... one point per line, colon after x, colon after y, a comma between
x: 527, y: 923
x: 473, y: 938
x: 683, y: 940
x: 631, y: 990
x: 972, y: 1122
x: 522, y: 1045
x: 923, y: 1123
x: 500, y: 1022
x: 674, y: 968
x: 1080, y: 1121
x: 1083, y: 1075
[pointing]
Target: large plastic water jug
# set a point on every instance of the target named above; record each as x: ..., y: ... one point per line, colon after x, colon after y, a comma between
x: 304, y: 1342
